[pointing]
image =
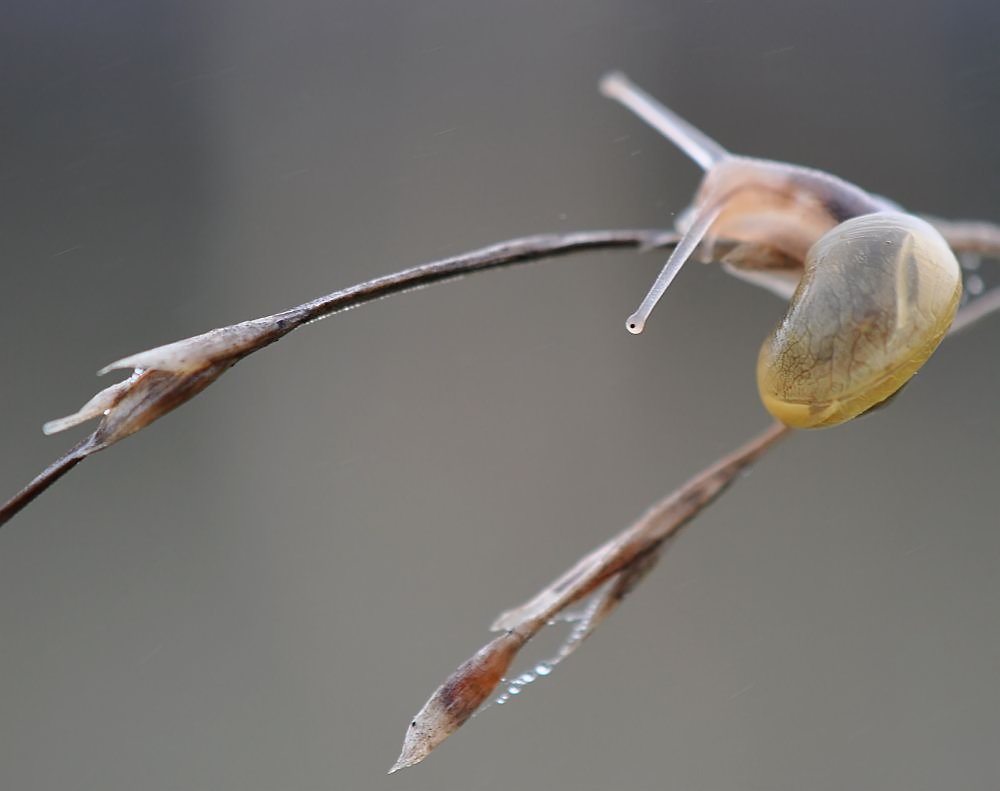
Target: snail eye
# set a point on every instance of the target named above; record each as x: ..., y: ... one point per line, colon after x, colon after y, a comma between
x: 877, y: 296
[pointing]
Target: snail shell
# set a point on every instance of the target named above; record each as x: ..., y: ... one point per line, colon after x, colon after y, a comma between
x: 877, y: 295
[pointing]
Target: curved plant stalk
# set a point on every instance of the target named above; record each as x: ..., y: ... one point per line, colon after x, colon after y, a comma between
x: 612, y: 571
x: 165, y: 377
x: 616, y: 567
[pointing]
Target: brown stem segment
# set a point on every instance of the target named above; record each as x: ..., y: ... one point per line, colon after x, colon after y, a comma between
x: 136, y: 404
x: 46, y: 478
x: 515, y: 251
x: 625, y: 559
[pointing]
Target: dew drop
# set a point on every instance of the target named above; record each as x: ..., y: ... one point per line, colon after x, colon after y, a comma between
x: 566, y: 617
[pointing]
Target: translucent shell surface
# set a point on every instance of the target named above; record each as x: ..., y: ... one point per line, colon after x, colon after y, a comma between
x: 877, y: 296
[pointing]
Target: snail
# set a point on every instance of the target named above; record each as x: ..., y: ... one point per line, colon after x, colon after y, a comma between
x: 872, y: 290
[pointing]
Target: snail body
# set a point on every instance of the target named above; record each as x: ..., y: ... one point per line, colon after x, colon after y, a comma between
x: 877, y: 288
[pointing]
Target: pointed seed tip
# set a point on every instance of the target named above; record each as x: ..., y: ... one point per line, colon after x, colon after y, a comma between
x: 51, y: 427
x: 115, y: 366
x: 408, y: 757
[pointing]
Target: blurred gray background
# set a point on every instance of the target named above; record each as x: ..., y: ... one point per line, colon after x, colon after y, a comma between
x: 261, y: 589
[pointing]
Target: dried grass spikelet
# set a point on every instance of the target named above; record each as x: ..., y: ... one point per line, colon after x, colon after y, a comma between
x: 162, y: 379
x: 608, y: 574
x: 165, y: 377
x: 457, y: 698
